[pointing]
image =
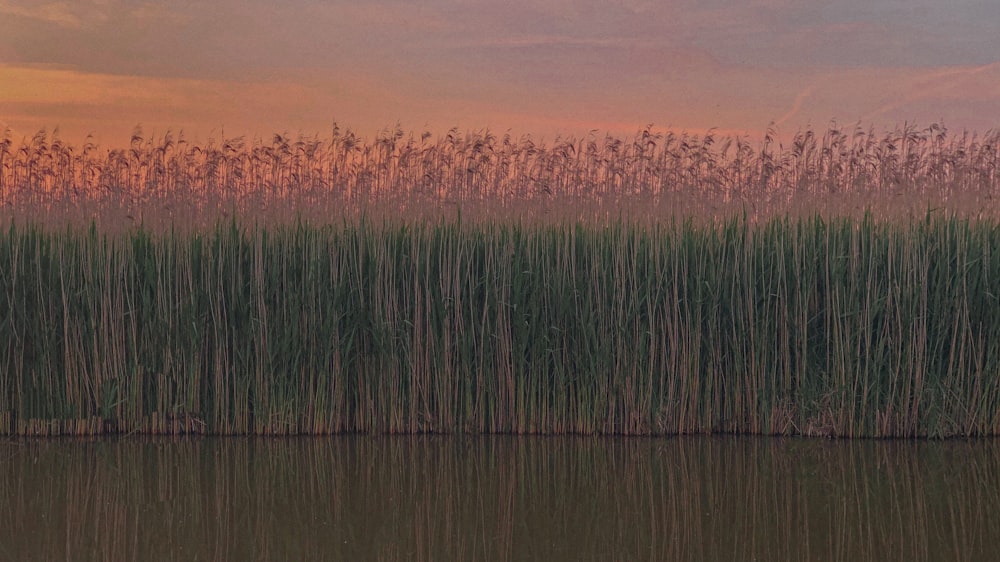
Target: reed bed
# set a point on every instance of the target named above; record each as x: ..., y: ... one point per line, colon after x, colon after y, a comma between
x: 160, y: 182
x: 832, y: 327
x: 664, y: 284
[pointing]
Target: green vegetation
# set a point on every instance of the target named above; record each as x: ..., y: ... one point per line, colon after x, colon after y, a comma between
x: 825, y: 327
x: 845, y: 286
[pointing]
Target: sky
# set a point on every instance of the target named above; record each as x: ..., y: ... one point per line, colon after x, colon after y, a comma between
x: 543, y: 67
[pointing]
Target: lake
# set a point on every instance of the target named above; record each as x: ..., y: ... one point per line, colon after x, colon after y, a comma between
x: 498, y: 498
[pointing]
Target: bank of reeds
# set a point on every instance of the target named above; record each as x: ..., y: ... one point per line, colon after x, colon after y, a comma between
x: 160, y: 181
x: 818, y: 326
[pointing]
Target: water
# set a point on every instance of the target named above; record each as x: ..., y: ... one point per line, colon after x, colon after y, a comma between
x: 498, y: 498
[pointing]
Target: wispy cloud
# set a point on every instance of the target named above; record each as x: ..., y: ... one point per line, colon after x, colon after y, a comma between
x: 799, y: 102
x: 952, y: 84
x: 111, y: 105
x: 71, y: 15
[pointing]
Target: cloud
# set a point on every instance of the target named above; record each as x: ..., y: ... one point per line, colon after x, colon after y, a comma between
x: 800, y: 100
x: 951, y: 84
x: 259, y: 65
x: 32, y: 98
x: 70, y: 15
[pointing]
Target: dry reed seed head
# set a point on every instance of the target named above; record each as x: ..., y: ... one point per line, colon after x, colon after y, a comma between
x: 832, y: 172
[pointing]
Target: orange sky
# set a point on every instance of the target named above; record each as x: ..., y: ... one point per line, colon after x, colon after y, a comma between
x: 542, y: 67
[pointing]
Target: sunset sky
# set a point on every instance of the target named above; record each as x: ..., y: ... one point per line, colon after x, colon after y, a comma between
x: 542, y: 67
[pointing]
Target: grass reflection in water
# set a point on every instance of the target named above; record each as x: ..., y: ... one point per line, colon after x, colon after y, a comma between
x: 498, y: 498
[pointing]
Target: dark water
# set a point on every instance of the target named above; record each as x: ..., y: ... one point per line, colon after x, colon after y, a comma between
x: 498, y: 498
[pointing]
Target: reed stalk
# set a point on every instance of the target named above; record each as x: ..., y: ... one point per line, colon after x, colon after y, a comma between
x: 815, y: 326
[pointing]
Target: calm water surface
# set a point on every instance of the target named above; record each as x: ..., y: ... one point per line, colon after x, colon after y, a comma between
x: 498, y: 498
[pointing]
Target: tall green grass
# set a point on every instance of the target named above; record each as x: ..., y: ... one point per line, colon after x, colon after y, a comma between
x: 817, y: 326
